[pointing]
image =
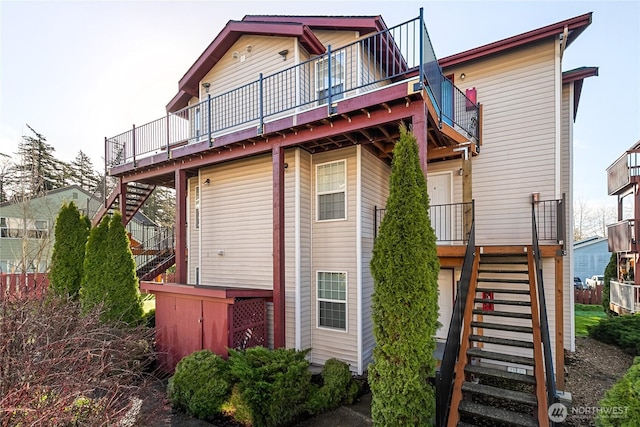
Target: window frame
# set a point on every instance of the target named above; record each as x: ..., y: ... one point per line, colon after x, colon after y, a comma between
x: 345, y: 302
x: 342, y: 54
x: 196, y: 197
x: 319, y: 193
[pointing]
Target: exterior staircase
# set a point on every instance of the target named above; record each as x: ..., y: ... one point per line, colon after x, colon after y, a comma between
x: 136, y: 195
x: 499, y: 377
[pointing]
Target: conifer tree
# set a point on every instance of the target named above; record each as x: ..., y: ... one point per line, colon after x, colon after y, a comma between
x: 82, y: 172
x: 92, y: 289
x: 67, y: 261
x: 405, y: 301
x: 610, y: 273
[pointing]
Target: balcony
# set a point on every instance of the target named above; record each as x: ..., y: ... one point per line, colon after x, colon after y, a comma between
x: 623, y: 172
x: 622, y: 236
x: 624, y: 297
x: 397, y: 55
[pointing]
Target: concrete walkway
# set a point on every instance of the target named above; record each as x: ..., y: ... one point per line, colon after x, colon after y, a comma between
x: 356, y: 415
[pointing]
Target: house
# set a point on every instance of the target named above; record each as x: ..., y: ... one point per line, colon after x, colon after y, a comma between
x: 591, y: 257
x: 278, y: 144
x: 623, y: 177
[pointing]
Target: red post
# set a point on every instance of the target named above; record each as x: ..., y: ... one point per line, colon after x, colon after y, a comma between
x: 181, y: 226
x: 123, y: 200
x: 278, y: 248
x: 420, y: 132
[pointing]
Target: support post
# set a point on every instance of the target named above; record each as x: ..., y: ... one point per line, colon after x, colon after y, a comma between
x: 467, y: 190
x: 420, y: 132
x: 278, y: 248
x: 181, y: 226
x: 122, y: 200
x: 261, y: 104
x: 559, y: 312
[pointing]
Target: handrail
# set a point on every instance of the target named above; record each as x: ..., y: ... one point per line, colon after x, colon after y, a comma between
x: 366, y: 64
x: 544, y: 323
x: 444, y: 379
x: 161, y: 242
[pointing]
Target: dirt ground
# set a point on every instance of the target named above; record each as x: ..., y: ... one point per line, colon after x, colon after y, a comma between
x: 591, y: 371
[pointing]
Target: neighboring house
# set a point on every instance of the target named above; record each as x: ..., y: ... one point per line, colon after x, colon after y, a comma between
x: 591, y: 257
x: 623, y: 179
x: 27, y: 228
x: 279, y: 143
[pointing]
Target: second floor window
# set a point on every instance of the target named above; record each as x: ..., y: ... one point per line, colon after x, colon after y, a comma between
x: 16, y: 228
x: 331, y: 189
x: 337, y: 77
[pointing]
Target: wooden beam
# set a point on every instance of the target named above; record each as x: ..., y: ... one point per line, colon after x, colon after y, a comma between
x: 467, y: 189
x: 181, y: 226
x: 559, y: 301
x: 279, y: 336
x: 419, y: 121
x: 123, y: 200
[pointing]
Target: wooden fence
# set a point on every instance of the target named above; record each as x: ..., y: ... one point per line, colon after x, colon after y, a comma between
x: 25, y: 285
x: 588, y: 296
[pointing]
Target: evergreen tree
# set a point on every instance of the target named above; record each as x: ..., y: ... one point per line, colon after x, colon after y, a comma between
x: 67, y: 261
x: 5, y: 168
x: 82, y: 172
x: 92, y: 289
x: 160, y: 207
x: 610, y: 273
x: 405, y: 301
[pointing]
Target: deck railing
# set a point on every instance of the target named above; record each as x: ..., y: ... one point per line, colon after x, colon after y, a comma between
x: 622, y: 237
x: 372, y: 62
x: 620, y: 172
x: 625, y: 295
x: 550, y: 219
x: 157, y: 247
x: 448, y: 221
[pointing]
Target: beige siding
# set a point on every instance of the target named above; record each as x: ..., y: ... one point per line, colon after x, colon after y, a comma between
x: 307, y: 298
x: 566, y: 184
x: 334, y: 249
x: 193, y: 233
x: 447, y: 166
x: 518, y: 146
x: 236, y: 218
x: 375, y: 189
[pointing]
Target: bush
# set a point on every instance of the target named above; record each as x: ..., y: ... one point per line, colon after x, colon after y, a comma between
x: 275, y: 384
x: 405, y: 270
x: 610, y: 273
x: 621, y: 404
x: 60, y: 367
x: 201, y: 384
x: 338, y: 387
x: 622, y: 331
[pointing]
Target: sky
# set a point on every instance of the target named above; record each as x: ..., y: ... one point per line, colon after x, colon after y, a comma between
x: 80, y: 71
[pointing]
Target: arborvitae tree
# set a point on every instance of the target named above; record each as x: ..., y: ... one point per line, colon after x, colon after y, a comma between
x: 405, y: 301
x: 82, y: 172
x: 67, y: 261
x: 122, y: 299
x: 92, y: 290
x: 610, y: 273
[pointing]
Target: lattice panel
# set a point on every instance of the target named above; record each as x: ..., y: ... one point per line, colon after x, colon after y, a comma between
x: 249, y: 323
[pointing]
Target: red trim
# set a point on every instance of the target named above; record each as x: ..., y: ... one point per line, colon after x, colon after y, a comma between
x: 188, y: 84
x: 364, y: 24
x: 575, y: 25
x: 181, y: 225
x: 205, y: 291
x: 279, y: 339
x: 577, y: 77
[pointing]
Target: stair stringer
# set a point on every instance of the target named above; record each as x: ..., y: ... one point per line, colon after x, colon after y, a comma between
x: 541, y: 393
x: 456, y: 397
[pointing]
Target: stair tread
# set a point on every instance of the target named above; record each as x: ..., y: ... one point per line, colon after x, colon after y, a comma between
x: 501, y: 341
x: 501, y: 270
x: 500, y: 393
x: 484, y: 354
x: 484, y: 371
x: 463, y: 424
x: 502, y: 302
x: 497, y: 414
x: 502, y: 327
x: 502, y: 313
x: 504, y: 291
x: 501, y: 280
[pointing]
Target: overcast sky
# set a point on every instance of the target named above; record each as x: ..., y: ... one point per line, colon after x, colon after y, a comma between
x: 78, y: 71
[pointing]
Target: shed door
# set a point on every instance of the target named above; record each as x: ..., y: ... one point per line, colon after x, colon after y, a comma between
x: 439, y: 189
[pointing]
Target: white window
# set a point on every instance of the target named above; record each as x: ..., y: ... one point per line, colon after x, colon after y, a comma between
x: 197, y: 122
x: 332, y: 300
x: 337, y: 76
x: 197, y: 213
x: 331, y: 188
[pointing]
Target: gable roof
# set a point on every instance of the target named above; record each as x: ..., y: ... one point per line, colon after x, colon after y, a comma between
x: 283, y: 26
x: 73, y: 187
x: 589, y: 242
x: 575, y: 26
x: 577, y: 76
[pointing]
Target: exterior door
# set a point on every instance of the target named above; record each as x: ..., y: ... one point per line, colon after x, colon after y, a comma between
x: 445, y: 301
x: 439, y: 189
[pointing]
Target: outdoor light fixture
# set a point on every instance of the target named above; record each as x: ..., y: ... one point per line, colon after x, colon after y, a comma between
x: 284, y: 53
x: 462, y: 76
x: 206, y: 86
x: 207, y: 181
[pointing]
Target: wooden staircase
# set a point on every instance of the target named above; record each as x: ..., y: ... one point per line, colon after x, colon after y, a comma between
x: 136, y: 195
x: 499, y: 377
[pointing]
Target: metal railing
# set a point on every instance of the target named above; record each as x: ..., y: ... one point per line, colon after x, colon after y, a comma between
x: 625, y: 295
x: 445, y: 377
x: 451, y: 222
x: 364, y: 65
x: 542, y: 307
x: 621, y: 236
x: 620, y: 172
x: 550, y: 220
x: 157, y: 247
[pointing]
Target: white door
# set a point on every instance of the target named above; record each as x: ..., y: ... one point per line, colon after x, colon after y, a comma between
x: 445, y: 301
x: 439, y: 189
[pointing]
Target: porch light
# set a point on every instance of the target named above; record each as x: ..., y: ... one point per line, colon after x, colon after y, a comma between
x: 206, y: 86
x: 462, y: 76
x: 284, y: 53
x: 535, y: 197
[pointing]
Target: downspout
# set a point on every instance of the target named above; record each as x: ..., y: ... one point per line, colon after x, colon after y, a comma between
x: 298, y: 279
x: 359, y: 254
x: 569, y: 235
x: 559, y: 50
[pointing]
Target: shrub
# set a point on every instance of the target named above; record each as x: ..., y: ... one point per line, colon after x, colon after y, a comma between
x: 622, y: 331
x: 71, y: 231
x: 237, y: 408
x: 274, y: 384
x: 621, y: 404
x: 200, y: 385
x: 338, y: 387
x: 610, y: 272
x: 60, y: 367
x: 405, y: 270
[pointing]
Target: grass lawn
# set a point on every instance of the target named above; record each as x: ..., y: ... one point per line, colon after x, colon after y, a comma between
x: 586, y: 315
x: 148, y: 303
